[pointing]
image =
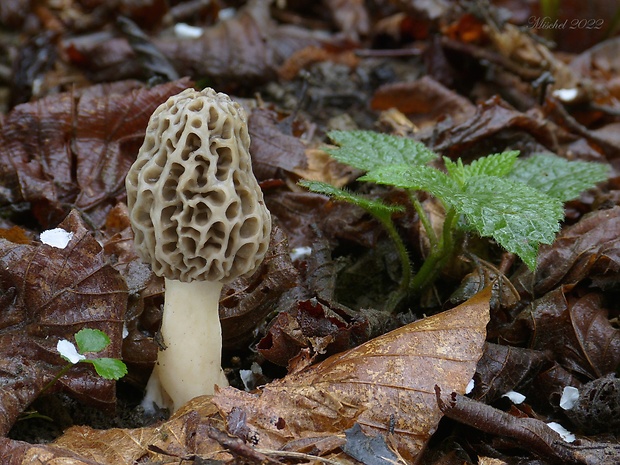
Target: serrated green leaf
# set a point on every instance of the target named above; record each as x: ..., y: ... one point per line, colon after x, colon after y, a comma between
x: 497, y: 164
x: 366, y: 150
x: 109, y: 368
x: 418, y: 177
x: 517, y: 216
x: 375, y: 207
x: 558, y: 177
x: 91, y: 340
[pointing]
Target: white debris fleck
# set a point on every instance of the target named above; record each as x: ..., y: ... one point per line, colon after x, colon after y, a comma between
x: 250, y: 377
x: 566, y: 95
x: 125, y: 331
x: 470, y: 386
x: 226, y: 13
x: 56, y: 237
x: 515, y: 397
x: 569, y: 397
x: 68, y: 351
x: 566, y: 435
x: 300, y: 252
x: 185, y: 31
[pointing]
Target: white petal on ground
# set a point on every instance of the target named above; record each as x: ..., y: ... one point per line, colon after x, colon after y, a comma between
x: 566, y: 95
x: 470, y: 386
x: 300, y: 252
x: 56, y: 237
x: 569, y: 397
x: 68, y: 351
x: 566, y: 435
x: 516, y: 397
x: 185, y: 31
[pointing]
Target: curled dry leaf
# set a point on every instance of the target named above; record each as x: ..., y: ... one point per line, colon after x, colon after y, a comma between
x: 588, y: 249
x: 491, y: 117
x: 53, y: 293
x: 246, y: 302
x: 388, y: 381
x: 425, y: 101
x: 275, y: 151
x: 577, y: 331
x: 504, y: 368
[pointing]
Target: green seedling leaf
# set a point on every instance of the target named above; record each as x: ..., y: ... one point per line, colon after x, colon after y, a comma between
x: 375, y: 207
x: 498, y: 164
x: 418, y: 177
x: 519, y: 217
x: 366, y: 150
x: 558, y: 177
x: 109, y: 368
x: 91, y: 340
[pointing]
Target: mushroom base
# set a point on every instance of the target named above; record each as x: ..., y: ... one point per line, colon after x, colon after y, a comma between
x: 191, y: 363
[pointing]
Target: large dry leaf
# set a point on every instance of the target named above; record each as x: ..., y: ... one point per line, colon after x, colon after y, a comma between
x: 49, y: 294
x: 385, y: 384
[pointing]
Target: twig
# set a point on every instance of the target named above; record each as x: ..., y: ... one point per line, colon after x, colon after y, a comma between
x: 529, y: 433
x: 297, y: 455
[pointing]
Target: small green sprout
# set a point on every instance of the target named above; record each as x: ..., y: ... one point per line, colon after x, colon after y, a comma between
x: 517, y: 202
x: 90, y: 341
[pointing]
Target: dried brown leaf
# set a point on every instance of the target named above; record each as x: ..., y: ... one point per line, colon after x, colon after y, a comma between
x: 50, y: 294
x: 246, y: 302
x: 577, y: 331
x: 387, y: 381
x: 184, y: 436
x: 492, y: 117
x: 587, y: 249
x: 425, y: 101
x: 504, y: 368
x: 275, y: 151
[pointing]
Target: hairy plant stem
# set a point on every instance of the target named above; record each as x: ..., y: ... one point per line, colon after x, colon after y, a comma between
x: 403, y: 254
x: 438, y: 257
x: 424, y: 219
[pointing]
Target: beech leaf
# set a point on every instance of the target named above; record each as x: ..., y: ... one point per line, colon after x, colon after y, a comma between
x: 386, y: 383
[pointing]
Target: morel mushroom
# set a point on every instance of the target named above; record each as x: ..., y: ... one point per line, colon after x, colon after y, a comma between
x: 199, y: 219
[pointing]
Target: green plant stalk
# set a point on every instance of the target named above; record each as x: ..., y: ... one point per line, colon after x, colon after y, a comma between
x: 424, y: 219
x: 403, y: 254
x: 64, y: 370
x: 438, y: 257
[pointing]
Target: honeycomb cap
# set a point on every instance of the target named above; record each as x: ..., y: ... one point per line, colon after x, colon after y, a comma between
x: 196, y: 209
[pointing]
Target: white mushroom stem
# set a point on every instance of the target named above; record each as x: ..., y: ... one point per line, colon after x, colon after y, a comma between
x: 190, y: 365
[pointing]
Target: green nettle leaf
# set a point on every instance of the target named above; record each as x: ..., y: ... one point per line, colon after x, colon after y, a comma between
x: 91, y: 340
x: 517, y: 216
x: 375, y: 207
x: 109, y: 368
x: 418, y: 177
x: 498, y: 164
x: 558, y: 177
x: 366, y: 150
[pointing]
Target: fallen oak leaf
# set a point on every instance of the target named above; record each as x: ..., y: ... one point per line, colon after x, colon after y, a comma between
x: 384, y: 385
